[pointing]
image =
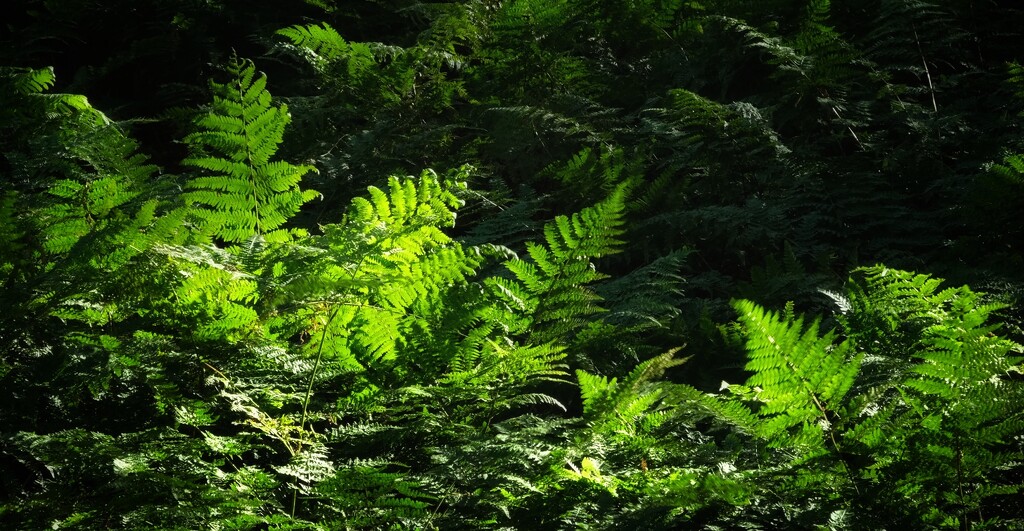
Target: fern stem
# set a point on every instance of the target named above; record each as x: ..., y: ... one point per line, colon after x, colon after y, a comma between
x: 309, y: 394
x: 927, y: 72
x: 965, y: 525
x: 248, y: 151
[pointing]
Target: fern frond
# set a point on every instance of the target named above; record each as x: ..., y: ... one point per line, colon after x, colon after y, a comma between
x: 648, y: 296
x: 369, y: 290
x: 10, y: 234
x: 958, y: 351
x: 94, y: 176
x: 31, y: 81
x: 621, y: 407
x: 803, y: 376
x: 323, y: 41
x: 32, y: 85
x: 369, y: 496
x: 1011, y: 169
x: 245, y: 193
x: 549, y: 290
x: 950, y: 397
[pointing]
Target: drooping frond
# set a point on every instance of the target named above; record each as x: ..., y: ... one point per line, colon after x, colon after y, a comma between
x: 592, y: 175
x: 33, y: 84
x: 513, y: 224
x: 624, y: 402
x: 244, y: 193
x: 649, y: 296
x: 503, y: 370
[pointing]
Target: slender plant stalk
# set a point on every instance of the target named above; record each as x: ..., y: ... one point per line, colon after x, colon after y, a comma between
x: 927, y: 72
x: 309, y: 393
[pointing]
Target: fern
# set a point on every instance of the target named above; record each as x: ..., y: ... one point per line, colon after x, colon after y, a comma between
x: 31, y: 81
x: 31, y: 85
x: 341, y: 307
x: 906, y: 41
x: 322, y: 41
x: 246, y: 193
x: 622, y: 403
x: 602, y: 173
x: 10, y: 233
x: 639, y: 427
x: 803, y: 376
x: 94, y: 178
x: 83, y: 217
x: 547, y: 293
x: 512, y: 225
x: 940, y: 427
x: 648, y: 297
x: 367, y: 496
x: 84, y: 206
x: 376, y: 266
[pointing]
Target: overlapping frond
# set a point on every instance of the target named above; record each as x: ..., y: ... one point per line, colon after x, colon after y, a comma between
x: 322, y: 40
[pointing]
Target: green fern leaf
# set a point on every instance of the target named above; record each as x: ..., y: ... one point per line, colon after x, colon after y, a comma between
x: 549, y: 291
x: 323, y: 41
x: 245, y: 194
x: 803, y: 376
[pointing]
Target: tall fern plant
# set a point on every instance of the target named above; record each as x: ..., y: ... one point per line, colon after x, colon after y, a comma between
x: 944, y: 432
x: 547, y: 296
x: 917, y: 399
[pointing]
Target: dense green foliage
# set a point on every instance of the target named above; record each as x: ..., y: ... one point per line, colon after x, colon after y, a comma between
x: 640, y: 287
